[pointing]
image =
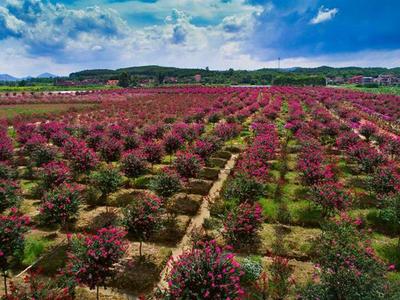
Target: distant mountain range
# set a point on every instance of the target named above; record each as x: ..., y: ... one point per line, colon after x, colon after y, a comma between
x: 7, y: 77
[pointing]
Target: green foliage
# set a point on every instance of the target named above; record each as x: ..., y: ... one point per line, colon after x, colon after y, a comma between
x: 124, y: 80
x: 107, y: 180
x: 252, y: 268
x: 299, y: 80
x: 242, y: 188
x: 349, y: 268
x: 165, y: 185
x: 34, y: 247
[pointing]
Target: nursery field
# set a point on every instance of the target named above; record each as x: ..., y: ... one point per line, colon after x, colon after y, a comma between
x: 11, y: 111
x: 200, y: 193
x: 379, y: 90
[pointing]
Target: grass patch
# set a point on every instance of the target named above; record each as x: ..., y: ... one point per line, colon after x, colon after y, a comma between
x: 35, y: 246
x: 11, y: 111
x: 377, y: 223
x: 303, y: 213
x: 270, y: 208
x: 292, y: 176
x: 289, y: 191
x: 275, y: 174
x: 387, y: 249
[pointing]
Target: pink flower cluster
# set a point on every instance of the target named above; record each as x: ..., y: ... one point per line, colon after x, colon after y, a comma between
x: 207, y: 273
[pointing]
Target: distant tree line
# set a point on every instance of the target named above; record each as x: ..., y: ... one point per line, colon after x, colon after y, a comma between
x: 299, y: 80
x: 294, y: 76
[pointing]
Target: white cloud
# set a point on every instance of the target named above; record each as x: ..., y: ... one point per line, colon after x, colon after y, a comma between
x: 324, y: 14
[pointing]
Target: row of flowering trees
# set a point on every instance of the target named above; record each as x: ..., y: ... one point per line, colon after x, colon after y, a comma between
x: 65, y: 155
x: 317, y: 170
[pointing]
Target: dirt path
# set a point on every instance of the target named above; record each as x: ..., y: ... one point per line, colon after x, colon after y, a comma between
x: 203, y: 214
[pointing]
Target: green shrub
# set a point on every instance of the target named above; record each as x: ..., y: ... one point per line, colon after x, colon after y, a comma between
x: 165, y: 185
x: 107, y: 180
x: 349, y: 268
x: 242, y: 189
x: 34, y: 247
x: 252, y: 268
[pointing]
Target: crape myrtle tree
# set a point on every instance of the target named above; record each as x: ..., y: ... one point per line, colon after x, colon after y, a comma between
x: 107, y: 180
x: 92, y: 257
x: 242, y: 224
x: 61, y: 204
x: 330, y: 196
x: 133, y: 163
x: 347, y: 264
x: 207, y: 271
x: 187, y: 164
x: 142, y: 217
x: 12, y: 230
x: 9, y: 194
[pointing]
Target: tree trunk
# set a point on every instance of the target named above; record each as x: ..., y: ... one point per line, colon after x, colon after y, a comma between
x: 97, y: 293
x: 5, y: 283
x: 140, y: 249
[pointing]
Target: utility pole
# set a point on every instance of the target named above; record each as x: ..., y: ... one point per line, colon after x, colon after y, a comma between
x: 279, y: 63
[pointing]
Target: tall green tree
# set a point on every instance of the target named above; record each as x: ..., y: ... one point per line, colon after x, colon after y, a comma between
x: 124, y: 79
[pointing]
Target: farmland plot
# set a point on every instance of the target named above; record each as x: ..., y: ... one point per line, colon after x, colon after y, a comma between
x: 106, y: 196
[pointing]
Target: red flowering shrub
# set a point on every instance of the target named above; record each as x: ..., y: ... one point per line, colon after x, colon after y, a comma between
x: 207, y: 273
x: 187, y: 164
x: 330, y: 196
x: 242, y: 224
x: 54, y: 174
x: 60, y: 205
x: 12, y: 230
x: 9, y: 194
x: 143, y: 217
x: 226, y: 131
x: 206, y: 146
x: 34, y: 142
x: 92, y: 257
x: 115, y: 131
x: 153, y: 152
x: 155, y: 131
x: 310, y: 164
x: 346, y: 139
x: 367, y: 158
x: 182, y: 129
x: 111, y: 149
x: 392, y: 147
x: 6, y: 147
x: 133, y: 163
x: 251, y: 166
x: 172, y: 142
x: 24, y: 132
x: 385, y: 180
x: 47, y: 129
x: 59, y: 137
x: 82, y: 158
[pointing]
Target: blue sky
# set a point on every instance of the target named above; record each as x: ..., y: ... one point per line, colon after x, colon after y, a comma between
x: 69, y: 35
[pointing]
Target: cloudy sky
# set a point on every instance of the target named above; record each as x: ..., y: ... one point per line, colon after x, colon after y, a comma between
x: 64, y: 36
